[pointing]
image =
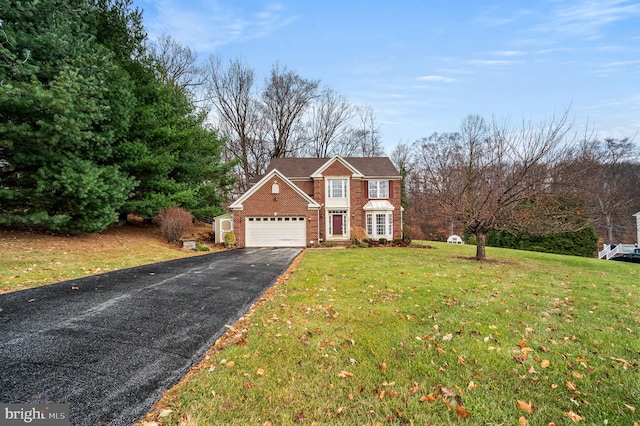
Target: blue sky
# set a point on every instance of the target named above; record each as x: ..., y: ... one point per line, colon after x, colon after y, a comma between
x: 423, y: 65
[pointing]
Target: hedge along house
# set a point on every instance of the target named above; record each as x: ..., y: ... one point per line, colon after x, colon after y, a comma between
x: 300, y: 202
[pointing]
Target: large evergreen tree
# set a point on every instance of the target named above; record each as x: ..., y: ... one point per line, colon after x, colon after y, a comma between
x: 88, y: 129
x: 60, y: 106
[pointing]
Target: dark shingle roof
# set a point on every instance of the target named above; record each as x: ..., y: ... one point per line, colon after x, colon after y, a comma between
x: 304, y: 167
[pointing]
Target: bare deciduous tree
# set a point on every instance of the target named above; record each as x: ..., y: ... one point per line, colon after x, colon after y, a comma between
x: 285, y: 99
x: 500, y: 177
x: 608, y: 179
x: 178, y: 65
x: 328, y: 126
x: 230, y: 89
x: 365, y: 137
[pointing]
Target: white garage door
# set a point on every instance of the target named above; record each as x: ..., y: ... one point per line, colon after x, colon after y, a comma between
x: 276, y: 231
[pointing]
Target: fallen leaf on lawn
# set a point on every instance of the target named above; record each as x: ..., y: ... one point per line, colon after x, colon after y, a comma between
x: 574, y: 417
x: 527, y: 408
x: 383, y: 367
x: 352, y: 361
x: 554, y: 386
x: 249, y: 385
x: 344, y: 374
x: 577, y: 375
x: 414, y: 389
x: 164, y: 413
x: 338, y: 411
x: 300, y: 417
x: 521, y: 358
x: 447, y: 392
x: 260, y: 372
x: 522, y: 421
x: 551, y: 424
x: 267, y: 423
x: 532, y: 370
x: 462, y: 412
x: 230, y: 364
x: 461, y: 360
x: 428, y: 398
x: 545, y: 363
x: 389, y: 384
x: 632, y: 409
x: 571, y: 386
x: 471, y: 385
x: 381, y: 395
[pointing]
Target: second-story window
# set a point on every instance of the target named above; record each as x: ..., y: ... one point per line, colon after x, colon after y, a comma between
x: 337, y: 188
x: 378, y: 189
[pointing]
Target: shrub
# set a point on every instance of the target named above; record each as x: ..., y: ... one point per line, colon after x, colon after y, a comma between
x: 383, y: 241
x: 229, y: 239
x: 174, y: 222
x: 202, y: 247
x: 358, y: 234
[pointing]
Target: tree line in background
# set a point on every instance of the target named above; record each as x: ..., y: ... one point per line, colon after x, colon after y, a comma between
x: 288, y: 116
x: 511, y: 185
x: 97, y: 122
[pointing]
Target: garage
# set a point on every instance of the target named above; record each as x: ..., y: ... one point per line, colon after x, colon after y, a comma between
x: 287, y: 231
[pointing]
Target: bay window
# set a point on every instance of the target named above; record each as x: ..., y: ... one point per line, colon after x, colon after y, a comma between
x: 380, y: 225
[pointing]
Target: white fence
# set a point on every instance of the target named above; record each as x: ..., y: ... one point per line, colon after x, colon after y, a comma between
x: 611, y: 250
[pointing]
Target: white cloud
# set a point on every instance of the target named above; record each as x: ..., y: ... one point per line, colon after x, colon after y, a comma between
x: 588, y: 18
x: 491, y: 62
x: 209, y: 24
x: 435, y: 78
x: 508, y: 53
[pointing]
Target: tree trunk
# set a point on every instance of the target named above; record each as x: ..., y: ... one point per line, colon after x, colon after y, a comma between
x: 481, y: 239
x: 609, y: 229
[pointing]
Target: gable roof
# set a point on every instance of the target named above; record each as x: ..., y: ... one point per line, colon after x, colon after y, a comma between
x: 306, y: 167
x: 237, y: 205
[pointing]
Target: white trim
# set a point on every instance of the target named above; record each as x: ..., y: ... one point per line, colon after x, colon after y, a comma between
x: 378, y: 205
x: 318, y: 173
x: 371, y: 224
x: 346, y: 223
x: 237, y: 205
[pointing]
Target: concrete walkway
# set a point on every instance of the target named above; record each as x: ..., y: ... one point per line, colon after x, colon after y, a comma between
x: 109, y: 345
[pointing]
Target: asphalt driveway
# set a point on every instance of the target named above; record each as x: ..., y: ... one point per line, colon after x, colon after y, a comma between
x: 109, y: 345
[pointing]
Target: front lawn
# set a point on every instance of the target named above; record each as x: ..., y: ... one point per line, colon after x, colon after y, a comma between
x: 428, y: 336
x: 31, y: 259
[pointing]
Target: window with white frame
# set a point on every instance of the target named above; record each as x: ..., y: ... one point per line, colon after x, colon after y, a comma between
x: 337, y: 188
x: 380, y: 225
x: 378, y: 189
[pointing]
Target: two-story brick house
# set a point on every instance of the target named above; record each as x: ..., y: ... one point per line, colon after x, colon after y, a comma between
x: 300, y: 202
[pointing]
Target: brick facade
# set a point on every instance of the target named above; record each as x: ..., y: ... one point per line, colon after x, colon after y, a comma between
x: 262, y: 201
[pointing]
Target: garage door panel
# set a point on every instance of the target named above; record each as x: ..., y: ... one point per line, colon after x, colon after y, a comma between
x: 288, y: 231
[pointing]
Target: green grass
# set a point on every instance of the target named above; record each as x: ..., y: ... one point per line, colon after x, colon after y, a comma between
x: 31, y: 260
x: 410, y: 336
